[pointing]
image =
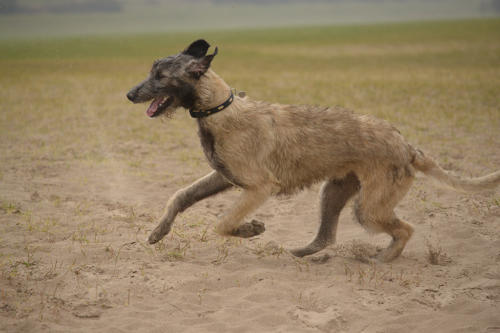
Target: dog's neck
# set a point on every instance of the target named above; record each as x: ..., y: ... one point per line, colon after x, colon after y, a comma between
x: 212, y: 91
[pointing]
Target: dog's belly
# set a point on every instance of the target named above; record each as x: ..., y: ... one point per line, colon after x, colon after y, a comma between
x: 294, y: 178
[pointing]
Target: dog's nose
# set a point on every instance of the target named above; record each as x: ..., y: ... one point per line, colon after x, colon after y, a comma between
x: 131, y: 96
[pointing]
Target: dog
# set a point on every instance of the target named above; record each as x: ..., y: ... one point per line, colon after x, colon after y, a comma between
x: 274, y: 149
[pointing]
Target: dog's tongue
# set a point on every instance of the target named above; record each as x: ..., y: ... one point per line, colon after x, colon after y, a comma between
x: 153, y: 107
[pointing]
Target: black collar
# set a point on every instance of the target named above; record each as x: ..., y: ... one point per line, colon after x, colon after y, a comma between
x: 206, y: 113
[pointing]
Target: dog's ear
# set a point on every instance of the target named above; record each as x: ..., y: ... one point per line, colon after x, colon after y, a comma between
x: 197, y: 48
x: 201, y: 66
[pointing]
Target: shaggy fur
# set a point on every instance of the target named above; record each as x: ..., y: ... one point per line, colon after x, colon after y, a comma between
x: 271, y: 149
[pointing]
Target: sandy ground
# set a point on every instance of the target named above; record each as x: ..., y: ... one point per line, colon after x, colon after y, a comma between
x: 74, y: 255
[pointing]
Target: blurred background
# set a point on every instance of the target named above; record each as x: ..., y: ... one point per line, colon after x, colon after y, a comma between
x: 22, y: 18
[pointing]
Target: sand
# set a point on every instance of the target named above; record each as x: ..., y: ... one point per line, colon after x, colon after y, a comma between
x: 74, y: 255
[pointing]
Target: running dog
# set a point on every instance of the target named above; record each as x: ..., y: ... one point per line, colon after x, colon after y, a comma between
x: 274, y: 149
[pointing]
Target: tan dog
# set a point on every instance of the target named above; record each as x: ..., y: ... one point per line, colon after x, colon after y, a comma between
x: 272, y: 149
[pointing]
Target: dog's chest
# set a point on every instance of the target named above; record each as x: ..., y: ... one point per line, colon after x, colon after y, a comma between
x: 207, y: 140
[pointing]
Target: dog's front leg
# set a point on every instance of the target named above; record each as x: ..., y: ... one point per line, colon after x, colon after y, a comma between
x: 209, y: 185
x: 249, y: 200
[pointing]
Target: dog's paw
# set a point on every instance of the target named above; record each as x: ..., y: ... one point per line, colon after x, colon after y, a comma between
x: 304, y: 251
x: 316, y: 245
x: 158, y: 234
x: 250, y: 229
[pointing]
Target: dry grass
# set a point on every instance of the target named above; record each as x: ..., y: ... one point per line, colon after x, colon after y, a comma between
x: 436, y: 255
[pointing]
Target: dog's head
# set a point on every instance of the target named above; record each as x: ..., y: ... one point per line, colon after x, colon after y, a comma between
x: 172, y: 81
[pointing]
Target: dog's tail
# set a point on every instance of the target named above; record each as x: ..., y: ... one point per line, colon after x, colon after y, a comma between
x: 429, y: 167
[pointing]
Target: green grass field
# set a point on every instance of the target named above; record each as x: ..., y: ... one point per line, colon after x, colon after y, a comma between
x: 422, y: 76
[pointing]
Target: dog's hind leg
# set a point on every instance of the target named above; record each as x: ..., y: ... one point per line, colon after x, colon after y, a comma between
x: 389, y: 223
x: 374, y: 208
x: 334, y: 195
x: 204, y: 187
x: 401, y: 233
x: 249, y: 200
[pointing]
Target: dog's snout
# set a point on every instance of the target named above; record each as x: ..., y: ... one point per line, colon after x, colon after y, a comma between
x: 131, y: 95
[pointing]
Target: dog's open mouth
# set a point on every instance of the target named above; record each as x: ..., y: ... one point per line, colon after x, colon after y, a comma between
x: 158, y: 106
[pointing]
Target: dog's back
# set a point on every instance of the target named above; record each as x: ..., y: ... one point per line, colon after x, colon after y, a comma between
x: 295, y: 146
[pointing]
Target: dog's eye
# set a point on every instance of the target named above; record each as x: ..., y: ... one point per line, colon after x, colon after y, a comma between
x: 159, y: 75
